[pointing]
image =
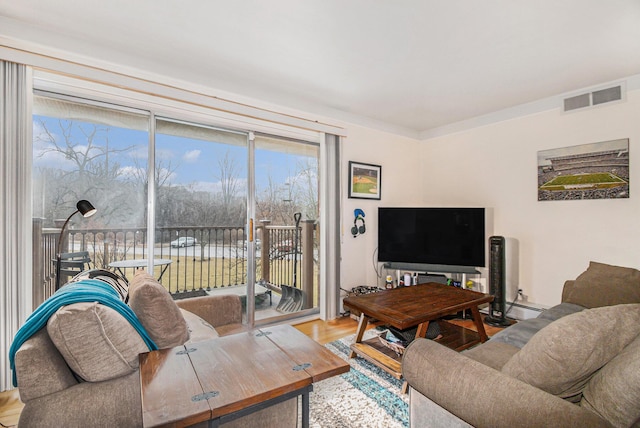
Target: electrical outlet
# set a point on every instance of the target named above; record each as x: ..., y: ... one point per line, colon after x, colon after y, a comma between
x: 521, y: 295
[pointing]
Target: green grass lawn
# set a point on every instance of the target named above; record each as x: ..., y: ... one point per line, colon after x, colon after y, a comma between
x: 195, y: 273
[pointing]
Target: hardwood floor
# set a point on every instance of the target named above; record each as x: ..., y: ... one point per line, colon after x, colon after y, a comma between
x: 325, y: 332
x: 322, y: 332
x: 10, y: 408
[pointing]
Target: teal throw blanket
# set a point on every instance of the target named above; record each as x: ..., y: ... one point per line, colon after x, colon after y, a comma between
x: 86, y: 290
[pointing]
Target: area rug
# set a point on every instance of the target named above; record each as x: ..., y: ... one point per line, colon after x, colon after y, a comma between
x: 365, y: 397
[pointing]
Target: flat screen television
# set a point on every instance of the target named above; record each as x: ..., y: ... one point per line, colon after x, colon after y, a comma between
x: 450, y: 237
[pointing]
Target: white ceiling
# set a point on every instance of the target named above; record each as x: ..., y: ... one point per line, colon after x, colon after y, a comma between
x: 407, y: 65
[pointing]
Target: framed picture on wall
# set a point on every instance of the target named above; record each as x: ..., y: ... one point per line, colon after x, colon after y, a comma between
x: 588, y: 171
x: 364, y: 180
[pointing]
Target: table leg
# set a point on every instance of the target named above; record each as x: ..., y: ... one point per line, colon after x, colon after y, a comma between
x: 305, y: 409
x: 362, y: 327
x: 422, y: 330
x: 477, y: 320
x: 162, y: 271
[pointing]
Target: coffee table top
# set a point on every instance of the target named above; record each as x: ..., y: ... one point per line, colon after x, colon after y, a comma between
x: 406, y: 307
x: 214, y: 378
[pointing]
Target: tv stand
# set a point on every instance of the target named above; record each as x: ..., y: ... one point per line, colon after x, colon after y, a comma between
x: 430, y: 268
x: 425, y: 267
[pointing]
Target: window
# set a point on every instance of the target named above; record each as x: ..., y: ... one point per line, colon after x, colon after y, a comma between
x: 208, y: 184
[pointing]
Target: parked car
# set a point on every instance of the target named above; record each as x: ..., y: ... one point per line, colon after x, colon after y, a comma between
x: 184, y: 241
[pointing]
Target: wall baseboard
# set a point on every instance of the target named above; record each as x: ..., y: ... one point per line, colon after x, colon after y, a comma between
x: 521, y: 311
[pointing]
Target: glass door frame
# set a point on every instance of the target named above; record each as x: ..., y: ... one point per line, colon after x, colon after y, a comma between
x: 251, y: 230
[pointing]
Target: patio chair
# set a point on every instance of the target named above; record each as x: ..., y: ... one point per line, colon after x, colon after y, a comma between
x: 72, y: 264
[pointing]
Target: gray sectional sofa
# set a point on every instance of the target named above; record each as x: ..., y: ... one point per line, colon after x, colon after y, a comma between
x: 576, y: 365
x: 81, y: 369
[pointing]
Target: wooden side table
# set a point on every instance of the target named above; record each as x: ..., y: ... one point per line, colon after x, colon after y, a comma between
x: 222, y: 379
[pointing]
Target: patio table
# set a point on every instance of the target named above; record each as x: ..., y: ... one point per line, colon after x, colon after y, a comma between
x: 140, y: 263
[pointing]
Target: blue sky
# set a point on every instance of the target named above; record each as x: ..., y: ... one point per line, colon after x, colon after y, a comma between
x: 194, y: 162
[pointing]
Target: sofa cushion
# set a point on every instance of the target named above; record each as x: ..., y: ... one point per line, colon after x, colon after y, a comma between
x: 520, y: 333
x: 96, y: 341
x: 157, y: 311
x: 199, y: 329
x: 605, y: 285
x: 558, y: 311
x: 614, y: 392
x: 562, y: 357
x: 493, y: 354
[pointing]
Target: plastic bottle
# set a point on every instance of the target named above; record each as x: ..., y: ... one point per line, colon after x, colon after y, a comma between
x: 389, y: 282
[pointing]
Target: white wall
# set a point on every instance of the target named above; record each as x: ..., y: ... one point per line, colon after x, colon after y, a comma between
x: 495, y: 166
x: 401, y: 185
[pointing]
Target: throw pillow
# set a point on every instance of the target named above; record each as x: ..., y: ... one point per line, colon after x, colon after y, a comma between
x: 199, y: 329
x: 118, y: 283
x: 562, y: 357
x: 614, y: 392
x: 157, y: 311
x: 96, y: 341
x: 605, y: 285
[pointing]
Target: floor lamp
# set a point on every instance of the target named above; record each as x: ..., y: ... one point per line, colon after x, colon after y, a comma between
x: 87, y: 210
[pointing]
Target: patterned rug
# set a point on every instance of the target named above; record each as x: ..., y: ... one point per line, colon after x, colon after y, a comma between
x: 364, y: 397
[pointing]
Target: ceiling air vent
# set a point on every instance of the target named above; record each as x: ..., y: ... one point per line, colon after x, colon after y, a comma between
x: 579, y: 101
x: 594, y: 98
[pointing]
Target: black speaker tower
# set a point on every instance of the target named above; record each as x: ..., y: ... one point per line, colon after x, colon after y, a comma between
x: 497, y: 283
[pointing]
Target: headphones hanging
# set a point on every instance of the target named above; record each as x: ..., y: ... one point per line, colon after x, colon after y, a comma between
x: 358, y: 216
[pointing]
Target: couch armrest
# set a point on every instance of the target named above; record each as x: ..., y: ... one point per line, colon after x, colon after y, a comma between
x: 485, y: 397
x: 111, y: 403
x: 216, y: 310
x: 40, y: 368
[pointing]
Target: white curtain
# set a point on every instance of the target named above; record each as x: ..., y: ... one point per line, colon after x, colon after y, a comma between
x: 15, y: 207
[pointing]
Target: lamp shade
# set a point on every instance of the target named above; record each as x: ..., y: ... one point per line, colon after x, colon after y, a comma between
x: 85, y: 208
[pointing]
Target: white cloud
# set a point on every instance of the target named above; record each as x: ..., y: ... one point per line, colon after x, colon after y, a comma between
x: 191, y: 156
x: 132, y: 172
x: 216, y: 186
x: 164, y: 154
x: 205, y: 186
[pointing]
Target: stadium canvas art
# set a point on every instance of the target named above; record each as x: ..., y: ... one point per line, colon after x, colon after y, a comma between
x: 364, y: 180
x: 588, y: 171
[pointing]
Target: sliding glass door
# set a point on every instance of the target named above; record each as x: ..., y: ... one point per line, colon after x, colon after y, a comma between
x: 232, y: 212
x: 201, y: 207
x: 287, y: 209
x: 96, y: 152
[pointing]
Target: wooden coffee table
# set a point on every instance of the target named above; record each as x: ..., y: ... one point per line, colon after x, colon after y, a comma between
x: 407, y: 307
x: 221, y: 379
